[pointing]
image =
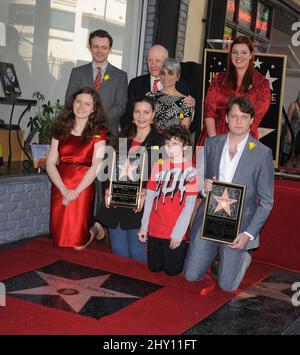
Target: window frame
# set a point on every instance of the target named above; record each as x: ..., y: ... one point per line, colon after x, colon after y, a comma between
x: 237, y: 28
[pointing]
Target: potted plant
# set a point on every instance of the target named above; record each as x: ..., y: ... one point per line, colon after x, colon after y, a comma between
x: 44, y: 118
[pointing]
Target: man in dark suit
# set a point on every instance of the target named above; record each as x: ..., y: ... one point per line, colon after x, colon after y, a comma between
x: 140, y: 85
x: 110, y: 81
x: 235, y: 158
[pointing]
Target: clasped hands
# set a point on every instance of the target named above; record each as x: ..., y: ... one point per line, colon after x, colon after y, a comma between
x: 69, y: 196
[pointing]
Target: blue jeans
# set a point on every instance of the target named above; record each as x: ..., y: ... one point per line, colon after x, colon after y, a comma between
x: 126, y: 243
x: 232, y: 266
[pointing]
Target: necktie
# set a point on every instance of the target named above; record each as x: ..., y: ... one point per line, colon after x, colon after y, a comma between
x: 155, y: 85
x: 98, y: 79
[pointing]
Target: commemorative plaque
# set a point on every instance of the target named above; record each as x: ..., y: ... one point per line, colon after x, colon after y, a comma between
x: 126, y: 180
x: 223, y: 212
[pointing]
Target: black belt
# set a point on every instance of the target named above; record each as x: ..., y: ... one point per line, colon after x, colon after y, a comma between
x: 77, y: 164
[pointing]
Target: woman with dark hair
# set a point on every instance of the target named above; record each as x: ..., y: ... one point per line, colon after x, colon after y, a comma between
x: 240, y: 79
x: 77, y: 148
x: 123, y: 223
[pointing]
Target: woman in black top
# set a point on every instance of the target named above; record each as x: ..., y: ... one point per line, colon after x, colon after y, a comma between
x: 124, y: 223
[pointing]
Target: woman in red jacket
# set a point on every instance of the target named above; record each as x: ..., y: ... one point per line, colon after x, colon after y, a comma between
x: 240, y: 79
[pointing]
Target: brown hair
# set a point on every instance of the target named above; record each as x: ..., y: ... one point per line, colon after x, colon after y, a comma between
x: 65, y: 122
x: 231, y: 74
x: 244, y: 104
x: 130, y: 131
x: 101, y: 34
x: 179, y: 132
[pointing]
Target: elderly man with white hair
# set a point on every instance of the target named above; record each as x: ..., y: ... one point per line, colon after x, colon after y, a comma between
x: 143, y: 84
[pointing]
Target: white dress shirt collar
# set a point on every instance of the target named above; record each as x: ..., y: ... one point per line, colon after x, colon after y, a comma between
x: 227, y: 165
x: 95, y: 69
x: 159, y: 85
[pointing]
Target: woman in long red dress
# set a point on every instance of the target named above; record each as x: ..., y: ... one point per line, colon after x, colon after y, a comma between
x: 239, y: 79
x: 77, y: 148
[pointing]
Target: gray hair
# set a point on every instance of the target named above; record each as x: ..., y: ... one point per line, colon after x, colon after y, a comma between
x: 171, y: 65
x: 159, y: 47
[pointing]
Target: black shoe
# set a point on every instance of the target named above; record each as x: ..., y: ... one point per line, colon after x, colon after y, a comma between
x: 214, y: 269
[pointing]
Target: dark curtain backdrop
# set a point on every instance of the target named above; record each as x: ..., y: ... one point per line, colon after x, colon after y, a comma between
x: 167, y: 24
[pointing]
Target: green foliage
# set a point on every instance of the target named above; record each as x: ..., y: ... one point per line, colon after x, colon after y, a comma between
x: 44, y: 118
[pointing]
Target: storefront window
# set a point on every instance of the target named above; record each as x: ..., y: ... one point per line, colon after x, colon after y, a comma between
x: 45, y: 39
x: 228, y: 36
x: 245, y: 13
x: 262, y: 19
x: 230, y: 10
x: 249, y: 17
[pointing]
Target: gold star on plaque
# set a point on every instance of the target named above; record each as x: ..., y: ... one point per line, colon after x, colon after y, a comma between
x: 126, y: 169
x: 224, y: 202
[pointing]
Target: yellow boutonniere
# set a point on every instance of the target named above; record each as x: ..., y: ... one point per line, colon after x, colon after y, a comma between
x: 155, y: 147
x: 106, y: 77
x: 251, y: 145
x: 160, y: 161
x: 181, y: 115
x: 96, y: 136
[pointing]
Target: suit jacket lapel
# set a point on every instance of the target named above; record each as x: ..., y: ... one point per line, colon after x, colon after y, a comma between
x: 147, y: 141
x: 219, y: 149
x: 242, y: 166
x: 147, y: 83
x: 108, y: 72
x: 89, y: 74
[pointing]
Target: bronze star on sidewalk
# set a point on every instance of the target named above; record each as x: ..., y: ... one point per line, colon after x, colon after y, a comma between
x: 268, y: 289
x: 75, y: 293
